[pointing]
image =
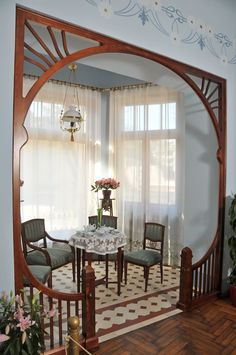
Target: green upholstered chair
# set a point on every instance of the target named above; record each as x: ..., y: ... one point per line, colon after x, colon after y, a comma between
x: 42, y: 272
x: 33, y: 231
x: 152, y: 252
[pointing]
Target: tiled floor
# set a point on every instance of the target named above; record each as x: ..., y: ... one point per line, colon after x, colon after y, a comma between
x: 134, y: 308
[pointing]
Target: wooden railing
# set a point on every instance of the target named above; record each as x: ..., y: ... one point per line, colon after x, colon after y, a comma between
x: 199, y: 281
x: 72, y: 344
x: 65, y: 305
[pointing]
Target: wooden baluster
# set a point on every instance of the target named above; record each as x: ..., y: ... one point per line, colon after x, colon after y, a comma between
x: 217, y: 268
x: 41, y: 302
x: 212, y: 270
x: 204, y: 277
x: 76, y: 308
x: 68, y: 309
x: 196, y: 283
x: 60, y: 321
x: 209, y: 273
x: 31, y: 292
x: 186, y: 279
x: 78, y: 253
x: 200, y: 281
x: 51, y: 331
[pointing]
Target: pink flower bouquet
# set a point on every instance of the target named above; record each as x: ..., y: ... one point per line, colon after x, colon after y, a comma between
x: 105, y: 184
x: 20, y: 325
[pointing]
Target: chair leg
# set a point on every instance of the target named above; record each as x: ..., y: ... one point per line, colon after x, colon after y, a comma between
x: 73, y: 265
x: 78, y: 263
x: 122, y: 265
x: 107, y: 270
x: 161, y: 267
x: 73, y: 270
x: 50, y: 280
x: 146, y: 277
x: 126, y: 270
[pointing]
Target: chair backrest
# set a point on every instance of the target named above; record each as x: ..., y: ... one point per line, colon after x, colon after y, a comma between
x: 108, y: 221
x: 32, y: 231
x: 154, y: 234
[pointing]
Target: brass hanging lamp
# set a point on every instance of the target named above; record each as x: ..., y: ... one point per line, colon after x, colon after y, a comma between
x: 71, y: 118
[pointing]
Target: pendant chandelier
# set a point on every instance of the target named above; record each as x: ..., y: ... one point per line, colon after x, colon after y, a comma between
x: 71, y: 118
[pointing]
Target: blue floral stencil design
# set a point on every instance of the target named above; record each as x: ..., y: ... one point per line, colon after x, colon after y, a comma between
x: 172, y: 23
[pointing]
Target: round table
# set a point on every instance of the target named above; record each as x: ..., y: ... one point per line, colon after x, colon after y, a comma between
x: 101, y: 241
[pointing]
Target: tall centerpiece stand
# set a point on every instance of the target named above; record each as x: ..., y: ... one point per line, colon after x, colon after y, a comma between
x: 106, y: 185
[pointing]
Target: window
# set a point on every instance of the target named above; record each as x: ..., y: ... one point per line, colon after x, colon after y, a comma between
x: 159, y: 117
x: 57, y: 173
x: 150, y: 152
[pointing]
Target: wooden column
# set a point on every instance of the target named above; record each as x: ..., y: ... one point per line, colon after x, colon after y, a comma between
x: 186, y: 280
x: 88, y: 306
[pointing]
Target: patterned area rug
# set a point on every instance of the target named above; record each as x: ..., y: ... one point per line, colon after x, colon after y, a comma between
x: 134, y: 308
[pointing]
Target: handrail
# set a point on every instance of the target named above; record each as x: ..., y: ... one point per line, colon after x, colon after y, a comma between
x: 71, y: 304
x: 209, y: 251
x: 48, y: 291
x: 199, y: 281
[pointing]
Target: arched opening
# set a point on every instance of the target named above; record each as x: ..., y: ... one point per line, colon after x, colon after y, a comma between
x: 209, y: 88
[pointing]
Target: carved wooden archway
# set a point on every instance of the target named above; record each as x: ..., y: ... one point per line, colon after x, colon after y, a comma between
x: 210, y: 88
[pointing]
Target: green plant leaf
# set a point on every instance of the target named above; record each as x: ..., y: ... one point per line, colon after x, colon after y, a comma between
x: 29, y: 346
x: 18, y: 346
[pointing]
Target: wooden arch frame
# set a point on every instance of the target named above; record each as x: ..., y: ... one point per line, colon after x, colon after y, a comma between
x: 210, y: 88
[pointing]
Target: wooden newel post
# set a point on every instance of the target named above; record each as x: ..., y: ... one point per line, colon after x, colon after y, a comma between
x: 88, y: 305
x: 186, y: 279
x: 73, y: 325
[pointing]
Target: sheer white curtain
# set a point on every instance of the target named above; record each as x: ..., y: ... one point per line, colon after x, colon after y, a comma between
x: 147, y: 157
x: 58, y: 173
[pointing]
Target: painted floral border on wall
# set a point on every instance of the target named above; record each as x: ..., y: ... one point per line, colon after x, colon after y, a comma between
x: 172, y: 23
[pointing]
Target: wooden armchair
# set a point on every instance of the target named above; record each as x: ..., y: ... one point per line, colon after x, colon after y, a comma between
x: 33, y: 231
x: 108, y: 221
x: 42, y: 272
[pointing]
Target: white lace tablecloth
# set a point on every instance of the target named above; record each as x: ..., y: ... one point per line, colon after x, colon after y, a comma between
x: 102, y: 241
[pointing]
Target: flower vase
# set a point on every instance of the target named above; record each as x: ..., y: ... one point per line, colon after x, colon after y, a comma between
x: 106, y: 194
x: 106, y: 201
x: 99, y: 219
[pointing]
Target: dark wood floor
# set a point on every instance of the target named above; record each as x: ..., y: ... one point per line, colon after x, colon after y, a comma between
x: 210, y: 330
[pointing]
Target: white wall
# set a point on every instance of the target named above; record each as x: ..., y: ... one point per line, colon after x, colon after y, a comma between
x: 6, y: 74
x: 201, y: 178
x: 218, y: 14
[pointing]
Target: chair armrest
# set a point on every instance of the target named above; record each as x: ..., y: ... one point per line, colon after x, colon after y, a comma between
x: 61, y: 241
x: 44, y: 251
x: 55, y: 239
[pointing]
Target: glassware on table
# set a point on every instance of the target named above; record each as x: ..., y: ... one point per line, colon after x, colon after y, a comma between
x: 90, y: 228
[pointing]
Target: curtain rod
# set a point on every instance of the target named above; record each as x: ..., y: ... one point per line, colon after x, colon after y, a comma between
x: 131, y: 86
x: 94, y: 88
x: 61, y: 82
